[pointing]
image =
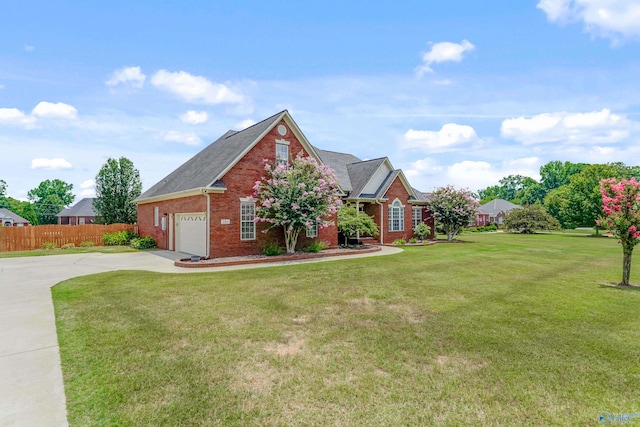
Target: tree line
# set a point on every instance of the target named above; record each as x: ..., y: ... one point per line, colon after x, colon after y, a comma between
x: 570, y: 192
x: 118, y: 184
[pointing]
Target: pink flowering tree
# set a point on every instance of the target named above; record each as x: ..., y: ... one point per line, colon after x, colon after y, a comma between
x: 621, y: 208
x: 296, y: 196
x: 453, y: 209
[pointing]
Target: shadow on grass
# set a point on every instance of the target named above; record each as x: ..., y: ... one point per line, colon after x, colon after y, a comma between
x: 618, y: 286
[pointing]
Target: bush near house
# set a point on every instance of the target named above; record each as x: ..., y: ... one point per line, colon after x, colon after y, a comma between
x: 119, y: 238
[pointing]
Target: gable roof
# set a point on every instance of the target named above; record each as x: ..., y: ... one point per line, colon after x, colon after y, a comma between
x: 6, y: 213
x: 496, y: 206
x: 361, y: 173
x: 83, y: 208
x: 338, y: 162
x: 205, y: 170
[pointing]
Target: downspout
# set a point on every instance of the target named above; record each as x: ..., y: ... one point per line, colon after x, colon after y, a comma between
x: 357, y: 213
x: 208, y: 224
x: 381, y: 222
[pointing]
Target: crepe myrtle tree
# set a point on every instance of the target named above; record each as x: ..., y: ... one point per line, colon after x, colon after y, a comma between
x: 453, y: 208
x: 621, y: 209
x: 295, y: 196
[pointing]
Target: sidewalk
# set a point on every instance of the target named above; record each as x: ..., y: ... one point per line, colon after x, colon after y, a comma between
x: 32, y: 390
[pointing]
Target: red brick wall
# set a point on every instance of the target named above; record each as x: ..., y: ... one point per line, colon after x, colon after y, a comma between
x: 239, y: 181
x: 183, y: 205
x: 397, y: 190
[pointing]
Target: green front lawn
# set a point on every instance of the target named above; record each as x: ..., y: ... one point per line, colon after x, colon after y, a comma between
x: 501, y: 330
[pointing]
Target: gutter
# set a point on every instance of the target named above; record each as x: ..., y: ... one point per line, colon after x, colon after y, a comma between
x: 208, y: 246
x: 381, y: 222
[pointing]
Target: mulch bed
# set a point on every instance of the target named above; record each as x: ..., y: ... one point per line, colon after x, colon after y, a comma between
x: 258, y: 259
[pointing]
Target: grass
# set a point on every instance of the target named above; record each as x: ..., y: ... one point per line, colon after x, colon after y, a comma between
x: 501, y: 330
x: 59, y: 251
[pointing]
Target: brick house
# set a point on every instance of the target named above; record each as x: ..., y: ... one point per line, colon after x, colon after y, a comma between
x: 11, y: 219
x: 493, y: 212
x: 79, y: 214
x: 204, y: 206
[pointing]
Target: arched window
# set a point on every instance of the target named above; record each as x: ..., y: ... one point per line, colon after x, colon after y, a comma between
x: 396, y: 216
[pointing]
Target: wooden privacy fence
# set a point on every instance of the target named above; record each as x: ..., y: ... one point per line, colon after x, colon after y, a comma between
x: 27, y: 238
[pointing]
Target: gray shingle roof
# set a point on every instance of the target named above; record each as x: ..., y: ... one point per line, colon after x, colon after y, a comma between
x: 205, y: 168
x: 83, y: 208
x: 423, y: 197
x: 361, y: 173
x: 6, y: 213
x: 496, y: 206
x: 338, y: 162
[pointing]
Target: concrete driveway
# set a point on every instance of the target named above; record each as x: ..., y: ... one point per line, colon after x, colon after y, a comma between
x: 31, y: 389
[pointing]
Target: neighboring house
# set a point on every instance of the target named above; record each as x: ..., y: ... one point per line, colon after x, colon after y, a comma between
x: 493, y: 212
x: 10, y: 219
x: 79, y: 214
x: 205, y: 207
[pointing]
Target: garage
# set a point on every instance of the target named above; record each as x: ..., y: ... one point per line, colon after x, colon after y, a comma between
x: 191, y: 233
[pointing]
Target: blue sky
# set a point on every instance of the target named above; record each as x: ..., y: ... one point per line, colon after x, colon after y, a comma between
x: 457, y: 92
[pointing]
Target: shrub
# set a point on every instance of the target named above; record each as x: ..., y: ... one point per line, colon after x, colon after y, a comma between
x: 413, y: 240
x: 67, y: 246
x: 528, y: 219
x: 316, y: 247
x: 87, y: 244
x: 49, y: 245
x: 399, y: 242
x: 119, y: 238
x: 146, y: 242
x: 272, y: 249
x: 422, y: 231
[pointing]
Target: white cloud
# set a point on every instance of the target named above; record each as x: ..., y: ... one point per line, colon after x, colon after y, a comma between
x: 195, y: 88
x: 245, y: 124
x: 13, y: 116
x: 614, y: 19
x: 443, y: 52
x: 89, y: 183
x: 88, y: 188
x: 50, y: 164
x: 194, y: 117
x: 483, y: 174
x: 450, y: 137
x: 130, y: 75
x: 597, y: 127
x: 58, y: 110
x: 28, y: 48
x: 187, y: 138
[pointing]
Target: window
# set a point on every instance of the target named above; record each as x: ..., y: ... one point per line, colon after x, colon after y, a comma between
x: 156, y: 216
x: 396, y: 216
x: 313, y: 230
x: 247, y: 226
x: 81, y: 221
x: 416, y: 216
x: 282, y: 151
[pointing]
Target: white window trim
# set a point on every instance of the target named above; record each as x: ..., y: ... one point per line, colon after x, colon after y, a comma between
x: 399, y: 208
x: 282, y: 143
x: 156, y: 216
x: 415, y: 209
x: 314, y: 232
x: 252, y: 232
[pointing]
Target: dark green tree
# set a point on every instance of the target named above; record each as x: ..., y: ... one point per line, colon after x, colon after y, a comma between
x: 529, y: 219
x: 117, y: 186
x: 579, y: 203
x: 352, y: 222
x: 555, y: 174
x: 49, y: 198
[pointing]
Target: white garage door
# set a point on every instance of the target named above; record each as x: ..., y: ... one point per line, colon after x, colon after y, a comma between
x: 191, y: 233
